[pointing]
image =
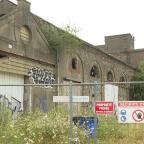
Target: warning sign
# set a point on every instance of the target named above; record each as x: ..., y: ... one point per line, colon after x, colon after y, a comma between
x: 131, y: 111
x: 138, y: 115
x: 103, y: 107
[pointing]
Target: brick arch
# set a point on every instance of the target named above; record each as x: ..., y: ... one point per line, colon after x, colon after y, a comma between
x: 110, y: 75
x: 91, y: 89
x: 98, y: 66
x: 123, y: 87
x: 76, y: 72
x: 122, y: 78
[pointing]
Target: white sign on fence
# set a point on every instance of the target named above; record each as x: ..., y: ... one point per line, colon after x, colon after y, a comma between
x: 131, y: 112
x: 75, y: 99
x: 111, y: 94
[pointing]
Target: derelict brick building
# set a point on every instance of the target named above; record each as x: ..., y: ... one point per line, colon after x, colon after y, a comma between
x: 26, y: 56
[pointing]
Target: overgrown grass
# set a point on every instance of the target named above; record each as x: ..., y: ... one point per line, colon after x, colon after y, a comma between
x: 39, y: 128
x: 53, y: 128
x: 111, y: 132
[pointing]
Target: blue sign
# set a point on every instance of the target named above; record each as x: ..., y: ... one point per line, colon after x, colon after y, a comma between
x: 87, y: 122
x: 123, y: 118
x: 123, y: 112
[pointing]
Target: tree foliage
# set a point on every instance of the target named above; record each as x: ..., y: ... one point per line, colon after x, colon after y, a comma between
x: 72, y: 29
x: 137, y: 89
x: 61, y: 39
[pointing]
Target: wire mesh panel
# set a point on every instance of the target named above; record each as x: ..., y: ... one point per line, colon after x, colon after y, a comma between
x: 67, y: 113
x: 77, y: 104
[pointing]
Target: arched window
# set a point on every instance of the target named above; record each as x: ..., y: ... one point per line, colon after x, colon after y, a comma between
x: 109, y: 76
x: 74, y: 63
x: 122, y: 79
x: 94, y: 72
x: 25, y: 34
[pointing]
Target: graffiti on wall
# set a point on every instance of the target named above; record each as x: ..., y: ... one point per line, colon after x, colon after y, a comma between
x: 41, y: 76
x: 5, y: 101
x: 14, y: 105
x: 42, y: 103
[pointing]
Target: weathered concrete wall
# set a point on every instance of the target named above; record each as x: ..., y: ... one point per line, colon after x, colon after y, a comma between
x: 136, y: 57
x: 37, y: 48
x: 133, y: 57
x: 42, y: 98
x: 23, y: 56
x: 90, y: 56
x: 119, y: 43
x: 6, y: 7
x: 86, y: 55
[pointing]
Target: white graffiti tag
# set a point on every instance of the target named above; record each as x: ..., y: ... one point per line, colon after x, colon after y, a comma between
x: 41, y: 76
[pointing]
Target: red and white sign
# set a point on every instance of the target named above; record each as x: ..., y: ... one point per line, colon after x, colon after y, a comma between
x: 103, y: 107
x: 138, y: 115
x: 131, y: 111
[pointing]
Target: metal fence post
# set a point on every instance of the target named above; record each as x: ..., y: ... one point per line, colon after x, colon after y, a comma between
x: 30, y: 100
x: 95, y: 116
x: 70, y: 113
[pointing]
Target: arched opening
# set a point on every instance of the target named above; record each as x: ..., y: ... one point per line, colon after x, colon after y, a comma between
x: 94, y: 72
x: 74, y: 63
x: 110, y: 76
x: 25, y: 34
x: 122, y: 79
x: 123, y: 88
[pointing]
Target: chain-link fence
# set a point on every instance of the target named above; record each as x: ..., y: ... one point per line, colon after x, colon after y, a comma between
x: 73, y: 113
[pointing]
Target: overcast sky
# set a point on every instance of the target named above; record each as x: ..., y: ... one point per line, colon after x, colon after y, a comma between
x: 95, y: 18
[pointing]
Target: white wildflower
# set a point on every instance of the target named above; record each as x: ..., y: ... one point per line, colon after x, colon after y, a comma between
x: 31, y: 141
x: 54, y: 136
x: 45, y: 116
x: 22, y: 134
x: 11, y: 126
x: 25, y: 139
x: 15, y: 136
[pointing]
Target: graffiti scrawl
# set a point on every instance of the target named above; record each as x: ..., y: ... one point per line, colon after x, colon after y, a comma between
x: 41, y: 76
x: 14, y: 105
x: 42, y: 103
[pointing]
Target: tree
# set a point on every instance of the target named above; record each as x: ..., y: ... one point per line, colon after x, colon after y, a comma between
x: 72, y: 29
x: 137, y: 89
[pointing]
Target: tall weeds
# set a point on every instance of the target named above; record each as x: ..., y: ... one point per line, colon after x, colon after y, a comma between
x: 53, y: 128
